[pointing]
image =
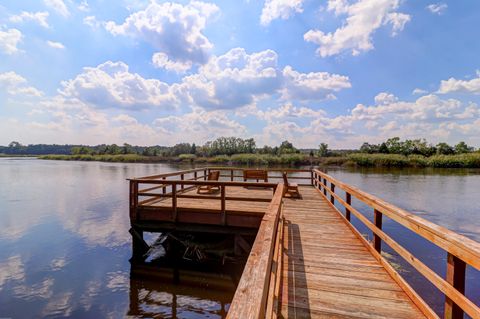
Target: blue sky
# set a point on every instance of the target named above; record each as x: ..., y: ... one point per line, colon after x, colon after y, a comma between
x: 340, y: 72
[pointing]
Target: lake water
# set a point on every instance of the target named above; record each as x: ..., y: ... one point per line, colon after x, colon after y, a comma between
x: 65, y: 246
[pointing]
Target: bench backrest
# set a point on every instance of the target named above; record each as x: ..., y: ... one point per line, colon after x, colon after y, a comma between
x: 213, y: 175
x: 255, y: 174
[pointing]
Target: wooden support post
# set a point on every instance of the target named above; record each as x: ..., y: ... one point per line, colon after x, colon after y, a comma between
x: 182, y: 177
x: 332, y: 188
x: 204, y: 174
x: 324, y: 186
x: 231, y: 175
x: 311, y: 178
x: 164, y: 190
x: 133, y: 206
x: 224, y: 215
x: 174, y: 202
x: 241, y: 246
x: 139, y: 246
x: 456, y: 277
x: 377, y: 220
x: 349, y: 202
x: 195, y: 175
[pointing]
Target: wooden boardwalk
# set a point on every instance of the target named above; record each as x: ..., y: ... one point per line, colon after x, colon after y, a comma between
x: 306, y: 259
x: 328, y: 272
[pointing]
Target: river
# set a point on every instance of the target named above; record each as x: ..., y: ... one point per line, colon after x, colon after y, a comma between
x: 65, y: 246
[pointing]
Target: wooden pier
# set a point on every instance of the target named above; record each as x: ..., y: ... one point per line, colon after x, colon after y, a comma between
x: 306, y: 259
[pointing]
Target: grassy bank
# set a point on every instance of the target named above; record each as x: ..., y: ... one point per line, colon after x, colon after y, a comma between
x: 471, y: 160
x: 237, y: 159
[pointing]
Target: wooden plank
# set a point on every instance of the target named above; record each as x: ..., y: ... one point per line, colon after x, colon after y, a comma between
x: 467, y: 305
x: 252, y: 289
x: 464, y: 248
x: 319, y: 262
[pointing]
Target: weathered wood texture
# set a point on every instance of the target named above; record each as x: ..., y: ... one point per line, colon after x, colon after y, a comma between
x: 464, y: 249
x: 316, y: 264
x: 328, y: 272
x: 250, y: 299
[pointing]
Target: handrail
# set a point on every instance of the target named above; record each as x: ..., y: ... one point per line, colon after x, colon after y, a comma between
x: 461, y: 250
x: 252, y: 290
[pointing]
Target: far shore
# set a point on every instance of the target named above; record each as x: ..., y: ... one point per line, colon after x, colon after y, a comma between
x: 471, y: 160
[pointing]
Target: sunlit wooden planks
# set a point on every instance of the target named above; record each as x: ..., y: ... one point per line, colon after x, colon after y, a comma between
x: 328, y: 272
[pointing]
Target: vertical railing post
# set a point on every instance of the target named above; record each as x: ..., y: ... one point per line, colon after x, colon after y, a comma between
x: 133, y: 200
x: 222, y: 208
x: 174, y: 201
x: 205, y: 174
x: 182, y: 177
x: 311, y: 177
x: 231, y: 175
x: 349, y: 202
x: 164, y: 189
x: 456, y: 277
x: 332, y: 188
x: 377, y: 220
x: 324, y: 186
x: 195, y: 175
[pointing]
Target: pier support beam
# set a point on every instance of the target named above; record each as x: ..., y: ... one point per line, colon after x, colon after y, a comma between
x: 377, y: 241
x: 456, y: 277
x: 139, y: 246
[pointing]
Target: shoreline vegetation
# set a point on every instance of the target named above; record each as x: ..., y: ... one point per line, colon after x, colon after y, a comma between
x: 236, y: 151
x: 354, y: 159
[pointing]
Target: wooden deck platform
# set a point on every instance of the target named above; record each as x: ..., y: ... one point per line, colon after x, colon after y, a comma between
x: 305, y: 258
x: 328, y: 272
x: 243, y: 204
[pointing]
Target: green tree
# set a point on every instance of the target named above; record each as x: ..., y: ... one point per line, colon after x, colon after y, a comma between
x: 462, y: 148
x: 286, y: 148
x: 444, y: 149
x: 383, y: 148
x: 369, y: 148
x: 323, y: 149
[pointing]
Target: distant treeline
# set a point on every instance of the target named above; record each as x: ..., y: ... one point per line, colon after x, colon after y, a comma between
x: 415, y: 147
x: 228, y: 146
x: 220, y: 146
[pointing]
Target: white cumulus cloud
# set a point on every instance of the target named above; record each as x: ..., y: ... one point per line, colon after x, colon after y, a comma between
x: 238, y: 79
x: 453, y: 85
x: 313, y: 85
x: 174, y: 29
x: 9, y: 40
x: 59, y: 6
x: 160, y: 60
x: 275, y: 9
x: 364, y: 17
x: 437, y: 8
x: 56, y: 45
x: 199, y: 125
x: 15, y: 84
x: 38, y: 17
x: 111, y: 84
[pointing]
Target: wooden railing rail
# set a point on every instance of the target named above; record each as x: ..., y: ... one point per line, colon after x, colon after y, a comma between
x: 178, y: 189
x: 250, y: 299
x: 460, y: 249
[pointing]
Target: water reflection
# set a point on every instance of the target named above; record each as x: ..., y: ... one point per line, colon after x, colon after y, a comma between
x: 171, y: 292
x: 65, y: 246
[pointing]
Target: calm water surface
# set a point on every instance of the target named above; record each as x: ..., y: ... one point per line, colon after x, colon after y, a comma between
x: 65, y: 246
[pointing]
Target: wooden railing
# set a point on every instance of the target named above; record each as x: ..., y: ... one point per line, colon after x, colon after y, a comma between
x: 461, y: 251
x: 253, y: 298
x: 148, y: 190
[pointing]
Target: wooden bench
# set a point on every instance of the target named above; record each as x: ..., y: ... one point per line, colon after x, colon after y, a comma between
x: 258, y: 174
